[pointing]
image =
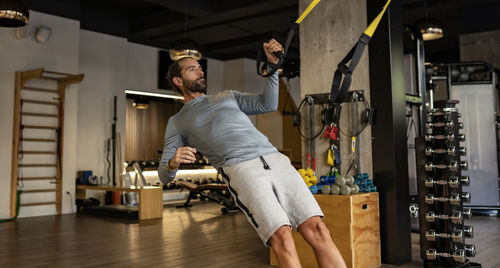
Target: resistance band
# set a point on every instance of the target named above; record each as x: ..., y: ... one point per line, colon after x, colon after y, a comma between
x: 261, y: 56
x: 18, y: 204
x: 341, y: 86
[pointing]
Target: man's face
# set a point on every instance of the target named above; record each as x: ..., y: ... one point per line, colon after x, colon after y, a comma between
x: 193, y: 77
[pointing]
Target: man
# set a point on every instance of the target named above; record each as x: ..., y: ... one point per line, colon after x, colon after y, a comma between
x: 261, y: 180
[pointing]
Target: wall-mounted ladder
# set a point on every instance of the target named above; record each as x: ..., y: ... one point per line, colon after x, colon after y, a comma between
x: 37, y: 139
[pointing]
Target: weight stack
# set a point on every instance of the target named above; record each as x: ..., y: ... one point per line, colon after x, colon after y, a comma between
x: 440, y: 181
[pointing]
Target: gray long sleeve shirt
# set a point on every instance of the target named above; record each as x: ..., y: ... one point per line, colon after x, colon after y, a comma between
x: 219, y: 128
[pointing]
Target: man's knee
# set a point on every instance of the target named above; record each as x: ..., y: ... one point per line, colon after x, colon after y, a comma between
x: 314, y: 229
x: 282, y: 238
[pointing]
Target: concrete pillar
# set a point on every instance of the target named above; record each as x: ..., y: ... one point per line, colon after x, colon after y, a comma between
x: 326, y: 36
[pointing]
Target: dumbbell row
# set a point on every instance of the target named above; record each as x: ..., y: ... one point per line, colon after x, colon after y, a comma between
x: 459, y: 255
x: 453, y: 182
x: 455, y: 216
x: 452, y: 166
x: 456, y: 236
x: 448, y: 124
x: 454, y: 199
x: 450, y: 137
x: 343, y: 189
x: 462, y: 151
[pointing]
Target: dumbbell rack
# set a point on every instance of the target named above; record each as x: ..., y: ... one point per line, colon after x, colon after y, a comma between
x: 441, y: 199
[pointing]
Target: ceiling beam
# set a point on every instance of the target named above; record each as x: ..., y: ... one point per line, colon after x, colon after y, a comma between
x: 195, y: 8
x: 236, y: 41
x: 153, y: 19
x: 225, y: 17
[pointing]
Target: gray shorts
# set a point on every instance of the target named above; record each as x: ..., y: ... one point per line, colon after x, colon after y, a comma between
x: 271, y: 197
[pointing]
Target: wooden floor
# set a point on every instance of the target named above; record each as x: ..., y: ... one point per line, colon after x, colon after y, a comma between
x: 199, y: 237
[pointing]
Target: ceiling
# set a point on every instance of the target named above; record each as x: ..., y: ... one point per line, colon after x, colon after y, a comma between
x: 234, y: 29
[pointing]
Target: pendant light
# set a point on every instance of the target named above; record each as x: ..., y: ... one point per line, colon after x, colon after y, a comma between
x: 185, y: 47
x: 141, y: 104
x: 13, y: 13
x: 430, y: 28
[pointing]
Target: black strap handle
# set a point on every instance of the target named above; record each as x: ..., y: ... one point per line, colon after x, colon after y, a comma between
x: 340, y: 85
x: 262, y: 59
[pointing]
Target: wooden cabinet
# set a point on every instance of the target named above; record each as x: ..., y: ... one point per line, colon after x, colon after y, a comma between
x: 150, y: 198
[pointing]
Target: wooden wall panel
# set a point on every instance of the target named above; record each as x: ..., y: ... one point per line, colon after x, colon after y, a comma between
x: 145, y: 129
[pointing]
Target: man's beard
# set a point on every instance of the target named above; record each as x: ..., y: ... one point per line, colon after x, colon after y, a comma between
x: 197, y: 86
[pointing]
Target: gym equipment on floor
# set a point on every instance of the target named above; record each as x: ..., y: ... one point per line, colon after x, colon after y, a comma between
x: 218, y: 193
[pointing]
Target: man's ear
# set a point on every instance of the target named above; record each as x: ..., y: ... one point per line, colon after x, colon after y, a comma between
x: 177, y: 81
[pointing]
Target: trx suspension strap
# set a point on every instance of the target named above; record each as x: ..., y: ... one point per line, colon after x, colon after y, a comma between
x: 341, y: 86
x: 261, y: 56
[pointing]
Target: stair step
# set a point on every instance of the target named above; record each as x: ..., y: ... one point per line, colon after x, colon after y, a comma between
x: 40, y: 102
x: 37, y: 165
x: 39, y: 114
x: 37, y: 152
x: 41, y: 89
x: 39, y: 140
x: 36, y: 178
x: 39, y: 204
x: 39, y: 127
x: 38, y: 191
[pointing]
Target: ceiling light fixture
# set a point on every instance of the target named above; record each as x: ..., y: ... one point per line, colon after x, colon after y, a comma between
x: 151, y: 94
x: 430, y: 28
x: 13, y: 13
x: 185, y: 47
x: 141, y: 104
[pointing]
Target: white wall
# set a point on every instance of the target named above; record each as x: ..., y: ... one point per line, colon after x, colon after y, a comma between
x: 103, y: 60
x: 481, y: 46
x: 111, y: 65
x: 60, y: 53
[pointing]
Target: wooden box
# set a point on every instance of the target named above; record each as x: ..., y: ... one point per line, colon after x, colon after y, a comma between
x: 353, y: 221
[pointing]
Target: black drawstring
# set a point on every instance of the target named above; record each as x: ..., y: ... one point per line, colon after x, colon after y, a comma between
x: 266, y: 166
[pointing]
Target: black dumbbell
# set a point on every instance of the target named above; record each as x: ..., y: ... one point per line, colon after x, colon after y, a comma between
x: 459, y: 256
x: 453, y: 182
x: 465, y: 180
x: 454, y: 199
x: 455, y: 217
x: 454, y: 165
x: 440, y: 137
x: 448, y: 124
x: 467, y: 213
x: 432, y: 254
x: 465, y: 197
x: 468, y: 231
x: 456, y: 236
x: 470, y: 250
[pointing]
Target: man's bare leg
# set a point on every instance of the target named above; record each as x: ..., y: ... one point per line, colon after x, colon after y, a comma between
x: 284, y: 247
x: 318, y: 236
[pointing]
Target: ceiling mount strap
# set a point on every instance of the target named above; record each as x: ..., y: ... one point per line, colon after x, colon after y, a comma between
x: 343, y: 75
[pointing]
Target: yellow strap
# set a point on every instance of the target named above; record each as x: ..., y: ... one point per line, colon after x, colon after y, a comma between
x: 373, y: 26
x: 306, y: 12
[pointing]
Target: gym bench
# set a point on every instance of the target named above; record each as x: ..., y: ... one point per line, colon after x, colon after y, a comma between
x: 218, y: 193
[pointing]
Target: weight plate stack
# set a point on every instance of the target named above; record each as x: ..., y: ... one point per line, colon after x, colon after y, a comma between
x: 441, y: 199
